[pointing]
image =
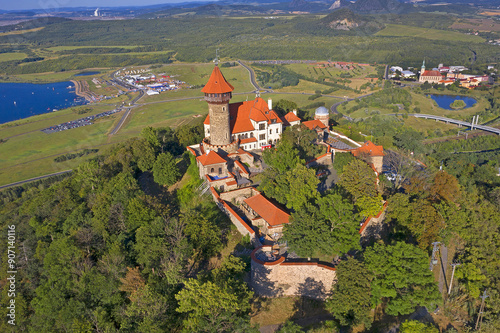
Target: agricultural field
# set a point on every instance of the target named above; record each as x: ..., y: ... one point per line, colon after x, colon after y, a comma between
x: 12, y: 56
x: 483, y: 24
x: 397, y: 30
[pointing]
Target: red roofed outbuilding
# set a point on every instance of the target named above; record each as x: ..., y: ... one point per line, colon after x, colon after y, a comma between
x: 372, y: 153
x: 265, y: 214
x: 212, y: 164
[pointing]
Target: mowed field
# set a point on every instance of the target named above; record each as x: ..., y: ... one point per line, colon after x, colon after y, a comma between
x: 12, y: 56
x: 397, y: 30
x: 486, y: 24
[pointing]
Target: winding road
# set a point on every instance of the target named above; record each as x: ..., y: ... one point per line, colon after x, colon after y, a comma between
x: 252, y: 75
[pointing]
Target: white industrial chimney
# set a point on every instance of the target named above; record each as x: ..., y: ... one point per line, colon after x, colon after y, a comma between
x: 270, y: 104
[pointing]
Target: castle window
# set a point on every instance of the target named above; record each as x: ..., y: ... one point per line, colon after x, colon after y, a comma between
x: 270, y: 131
x: 212, y: 170
x: 220, y: 171
x: 251, y: 134
x: 262, y: 127
x: 262, y: 137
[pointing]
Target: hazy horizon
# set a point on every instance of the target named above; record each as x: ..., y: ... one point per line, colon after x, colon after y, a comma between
x: 52, y: 5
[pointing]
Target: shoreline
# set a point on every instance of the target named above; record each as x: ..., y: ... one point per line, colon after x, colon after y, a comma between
x: 82, y: 90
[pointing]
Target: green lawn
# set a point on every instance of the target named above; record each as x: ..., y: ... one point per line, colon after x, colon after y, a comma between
x: 12, y: 56
x: 42, y: 121
x: 409, y: 31
x: 51, y: 76
x: 64, y: 48
x: 33, y: 154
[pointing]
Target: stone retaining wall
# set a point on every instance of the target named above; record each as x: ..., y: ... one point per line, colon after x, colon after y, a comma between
x: 283, y: 278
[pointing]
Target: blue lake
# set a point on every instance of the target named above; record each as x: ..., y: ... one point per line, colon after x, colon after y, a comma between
x: 444, y: 101
x: 87, y: 73
x: 23, y: 100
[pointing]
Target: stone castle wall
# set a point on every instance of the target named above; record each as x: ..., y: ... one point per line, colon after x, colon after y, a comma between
x: 238, y: 222
x: 282, y: 278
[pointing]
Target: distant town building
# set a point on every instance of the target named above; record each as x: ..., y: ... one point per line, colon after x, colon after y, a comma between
x: 97, y: 12
x: 433, y: 76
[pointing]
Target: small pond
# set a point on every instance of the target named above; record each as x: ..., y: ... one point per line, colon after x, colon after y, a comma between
x: 87, y: 73
x: 444, y: 101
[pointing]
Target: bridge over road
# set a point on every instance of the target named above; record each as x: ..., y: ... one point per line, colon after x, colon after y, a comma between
x: 456, y: 122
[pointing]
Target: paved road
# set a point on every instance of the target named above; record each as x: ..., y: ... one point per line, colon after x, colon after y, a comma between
x: 252, y: 75
x: 120, y: 123
x: 131, y: 103
x: 36, y: 178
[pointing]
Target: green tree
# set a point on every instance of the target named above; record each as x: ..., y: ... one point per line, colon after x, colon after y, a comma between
x: 294, y: 188
x: 144, y: 154
x: 402, y: 277
x: 302, y: 139
x: 350, y: 302
x: 204, y: 235
x: 290, y: 327
x: 414, y: 326
x: 410, y: 140
x: 341, y: 160
x: 369, y: 206
x: 359, y: 180
x: 301, y: 186
x: 326, y: 226
x: 165, y: 171
x: 151, y: 136
x: 220, y: 305
x: 284, y: 106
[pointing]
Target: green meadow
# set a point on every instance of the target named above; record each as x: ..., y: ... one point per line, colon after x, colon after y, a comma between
x: 12, y: 56
x: 396, y: 30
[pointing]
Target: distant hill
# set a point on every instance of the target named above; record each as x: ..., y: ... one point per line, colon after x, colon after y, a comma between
x: 339, y: 4
x: 379, y: 6
x: 346, y: 19
x: 31, y: 24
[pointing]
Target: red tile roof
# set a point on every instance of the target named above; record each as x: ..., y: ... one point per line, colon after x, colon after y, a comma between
x: 242, y: 113
x: 211, y: 158
x: 369, y: 148
x: 431, y: 73
x: 269, y: 212
x: 312, y: 124
x: 290, y: 117
x: 217, y: 84
x: 243, y: 141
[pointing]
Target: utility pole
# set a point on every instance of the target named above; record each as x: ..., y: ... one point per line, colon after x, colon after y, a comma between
x: 481, y: 310
x: 454, y: 265
x: 434, y: 260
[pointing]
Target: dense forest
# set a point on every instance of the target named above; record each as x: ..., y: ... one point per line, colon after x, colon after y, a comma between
x: 108, y: 248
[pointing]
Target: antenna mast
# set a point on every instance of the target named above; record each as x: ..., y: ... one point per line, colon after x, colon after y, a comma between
x: 434, y: 260
x: 481, y: 309
x: 216, y: 60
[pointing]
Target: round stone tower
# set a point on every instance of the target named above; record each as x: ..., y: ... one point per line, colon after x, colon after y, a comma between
x: 322, y: 115
x: 217, y: 94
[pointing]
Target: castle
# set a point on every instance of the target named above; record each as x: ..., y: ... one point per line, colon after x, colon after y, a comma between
x: 228, y: 157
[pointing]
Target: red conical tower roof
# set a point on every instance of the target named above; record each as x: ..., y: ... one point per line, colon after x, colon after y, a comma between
x: 217, y: 84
